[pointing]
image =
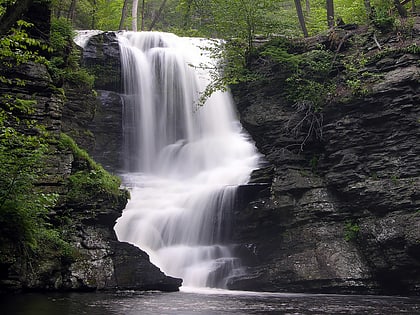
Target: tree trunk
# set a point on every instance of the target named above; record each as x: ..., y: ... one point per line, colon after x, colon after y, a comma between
x: 134, y: 15
x: 400, y: 8
x: 368, y: 7
x: 95, y: 7
x: 301, y: 17
x: 330, y: 13
x: 72, y: 10
x: 157, y: 16
x: 124, y: 13
x: 142, y: 15
x: 13, y: 13
x: 308, y: 7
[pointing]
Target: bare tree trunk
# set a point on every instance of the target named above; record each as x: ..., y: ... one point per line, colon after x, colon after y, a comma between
x: 308, y: 7
x: 124, y: 13
x: 330, y: 13
x: 134, y: 15
x: 301, y: 17
x: 400, y: 8
x: 142, y: 15
x: 157, y: 16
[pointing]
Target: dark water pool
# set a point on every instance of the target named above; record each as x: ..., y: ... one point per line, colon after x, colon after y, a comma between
x: 204, y: 302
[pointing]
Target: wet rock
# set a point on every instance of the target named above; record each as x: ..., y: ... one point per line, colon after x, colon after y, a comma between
x: 96, y: 260
x: 341, y: 215
x: 101, y: 56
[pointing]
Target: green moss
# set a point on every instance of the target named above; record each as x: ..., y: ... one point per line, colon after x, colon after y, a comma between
x: 88, y: 181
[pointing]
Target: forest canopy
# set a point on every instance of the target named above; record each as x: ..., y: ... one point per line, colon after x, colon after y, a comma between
x: 223, y: 19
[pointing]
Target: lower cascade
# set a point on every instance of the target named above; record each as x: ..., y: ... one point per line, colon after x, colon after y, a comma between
x: 182, y: 162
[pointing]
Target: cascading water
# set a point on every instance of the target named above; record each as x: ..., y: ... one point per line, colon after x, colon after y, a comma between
x: 183, y: 162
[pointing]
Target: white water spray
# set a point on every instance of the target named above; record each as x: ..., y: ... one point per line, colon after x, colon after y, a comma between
x: 183, y: 162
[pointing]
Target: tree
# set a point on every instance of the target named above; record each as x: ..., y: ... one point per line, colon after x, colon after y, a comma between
x: 13, y: 12
x: 72, y: 10
x: 157, y: 16
x: 134, y: 10
x: 301, y: 17
x: 368, y: 7
x: 330, y: 13
x: 142, y: 14
x: 124, y: 13
x: 400, y: 8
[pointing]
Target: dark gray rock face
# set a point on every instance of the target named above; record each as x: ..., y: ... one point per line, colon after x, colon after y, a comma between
x: 95, y: 122
x: 101, y: 56
x: 341, y: 216
x: 103, y: 262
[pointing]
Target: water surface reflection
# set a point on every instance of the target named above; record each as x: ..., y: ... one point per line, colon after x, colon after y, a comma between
x: 204, y: 302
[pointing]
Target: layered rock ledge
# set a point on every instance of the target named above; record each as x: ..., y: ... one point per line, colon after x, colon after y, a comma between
x: 341, y: 215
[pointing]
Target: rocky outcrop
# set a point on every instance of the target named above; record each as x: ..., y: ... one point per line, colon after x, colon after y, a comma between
x: 95, y: 260
x: 341, y: 216
x: 95, y: 122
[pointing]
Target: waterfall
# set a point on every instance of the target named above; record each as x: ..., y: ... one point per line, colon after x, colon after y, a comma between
x: 182, y: 161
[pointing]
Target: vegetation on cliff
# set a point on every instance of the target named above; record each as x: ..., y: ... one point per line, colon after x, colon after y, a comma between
x: 31, y: 231
x: 89, y: 181
x: 342, y: 208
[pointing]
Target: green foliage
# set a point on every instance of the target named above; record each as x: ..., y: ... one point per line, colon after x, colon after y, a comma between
x: 382, y: 18
x: 413, y: 49
x: 280, y: 55
x: 61, y: 36
x: 90, y: 181
x: 54, y: 245
x: 351, y: 231
x: 305, y: 90
x: 23, y: 209
x: 309, y: 80
x: 108, y: 15
x: 311, y: 83
x: 17, y: 48
x: 230, y: 69
x: 313, y: 163
x: 357, y: 78
x: 64, y: 64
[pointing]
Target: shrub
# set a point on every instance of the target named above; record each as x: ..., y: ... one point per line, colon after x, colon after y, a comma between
x: 351, y: 231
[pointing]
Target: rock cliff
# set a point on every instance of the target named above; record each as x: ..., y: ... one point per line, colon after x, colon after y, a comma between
x: 341, y: 214
x: 333, y: 209
x: 86, y: 211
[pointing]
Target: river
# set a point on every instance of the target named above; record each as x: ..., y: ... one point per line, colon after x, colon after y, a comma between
x: 204, y: 302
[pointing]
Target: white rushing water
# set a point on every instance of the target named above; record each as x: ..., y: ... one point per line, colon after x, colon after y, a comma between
x: 183, y: 162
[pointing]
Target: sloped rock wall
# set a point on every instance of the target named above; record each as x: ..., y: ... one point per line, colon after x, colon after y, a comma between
x: 341, y: 216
